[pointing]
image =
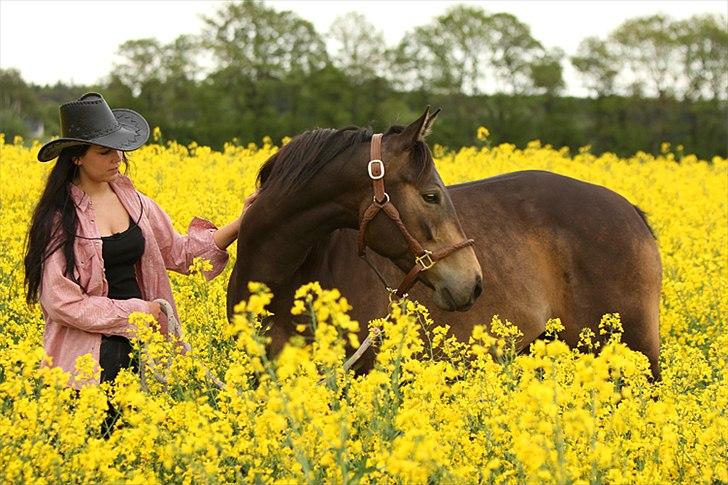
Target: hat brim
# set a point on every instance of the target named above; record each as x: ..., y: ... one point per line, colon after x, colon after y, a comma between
x: 133, y: 132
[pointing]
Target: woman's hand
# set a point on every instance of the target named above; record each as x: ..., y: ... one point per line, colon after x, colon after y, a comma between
x: 225, y: 236
x: 161, y: 316
x: 155, y: 309
x: 250, y: 199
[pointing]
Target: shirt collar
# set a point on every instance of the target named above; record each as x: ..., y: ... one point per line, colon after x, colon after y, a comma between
x: 82, y: 200
x: 121, y: 184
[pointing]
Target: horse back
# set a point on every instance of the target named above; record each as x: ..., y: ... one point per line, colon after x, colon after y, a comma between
x: 553, y: 246
x: 549, y: 246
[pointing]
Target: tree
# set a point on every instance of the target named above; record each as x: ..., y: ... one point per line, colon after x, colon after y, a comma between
x: 512, y: 52
x: 460, y: 50
x: 547, y: 74
x: 259, y: 56
x: 415, y: 64
x: 359, y: 49
x: 429, y: 58
x: 139, y: 64
x: 262, y: 43
x: 703, y: 48
x: 447, y: 56
x: 159, y: 80
x: 649, y: 46
x: 19, y: 107
x: 598, y: 65
x: 463, y: 34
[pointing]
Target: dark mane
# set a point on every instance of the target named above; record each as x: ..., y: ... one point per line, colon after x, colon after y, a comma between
x: 300, y: 159
x: 297, y: 162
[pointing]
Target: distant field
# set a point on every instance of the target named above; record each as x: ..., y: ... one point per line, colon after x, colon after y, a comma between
x: 454, y: 415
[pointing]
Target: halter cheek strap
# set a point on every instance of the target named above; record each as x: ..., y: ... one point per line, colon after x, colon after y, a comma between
x: 424, y: 259
x: 376, y: 169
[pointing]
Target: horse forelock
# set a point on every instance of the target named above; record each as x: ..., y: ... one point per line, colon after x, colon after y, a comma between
x: 423, y: 159
x: 297, y: 162
x: 420, y: 153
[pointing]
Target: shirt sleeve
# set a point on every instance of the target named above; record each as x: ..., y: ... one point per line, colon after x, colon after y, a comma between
x: 65, y: 302
x: 178, y: 251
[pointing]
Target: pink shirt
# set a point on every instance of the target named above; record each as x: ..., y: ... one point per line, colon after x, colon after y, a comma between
x: 76, y: 315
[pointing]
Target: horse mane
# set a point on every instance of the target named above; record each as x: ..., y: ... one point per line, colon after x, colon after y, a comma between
x: 297, y: 162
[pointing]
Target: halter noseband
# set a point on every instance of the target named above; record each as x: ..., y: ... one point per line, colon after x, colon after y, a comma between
x: 424, y: 259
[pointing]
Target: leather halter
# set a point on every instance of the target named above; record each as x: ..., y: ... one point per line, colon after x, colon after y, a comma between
x: 424, y: 259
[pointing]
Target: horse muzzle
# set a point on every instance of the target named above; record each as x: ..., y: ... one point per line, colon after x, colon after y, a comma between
x: 458, y: 296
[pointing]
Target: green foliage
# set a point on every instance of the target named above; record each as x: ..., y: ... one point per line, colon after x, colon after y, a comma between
x: 255, y: 71
x: 18, y: 105
x: 547, y: 74
x: 703, y: 41
x: 598, y: 64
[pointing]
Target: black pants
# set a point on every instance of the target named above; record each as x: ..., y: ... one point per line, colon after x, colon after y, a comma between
x: 114, y: 356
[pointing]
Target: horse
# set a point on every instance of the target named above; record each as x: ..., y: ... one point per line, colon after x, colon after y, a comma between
x: 543, y: 245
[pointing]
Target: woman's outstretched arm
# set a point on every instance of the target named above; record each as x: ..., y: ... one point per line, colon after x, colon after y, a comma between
x: 225, y: 236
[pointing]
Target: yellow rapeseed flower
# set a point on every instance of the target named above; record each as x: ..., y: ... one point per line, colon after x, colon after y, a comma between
x: 433, y: 409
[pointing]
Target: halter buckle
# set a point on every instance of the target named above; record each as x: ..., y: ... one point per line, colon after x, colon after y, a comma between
x: 369, y: 169
x: 425, y: 261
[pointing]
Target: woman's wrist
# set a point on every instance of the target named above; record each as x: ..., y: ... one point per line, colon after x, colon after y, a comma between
x: 225, y: 236
x: 155, y: 309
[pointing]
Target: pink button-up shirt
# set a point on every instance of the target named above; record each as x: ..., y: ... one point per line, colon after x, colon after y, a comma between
x: 77, y: 315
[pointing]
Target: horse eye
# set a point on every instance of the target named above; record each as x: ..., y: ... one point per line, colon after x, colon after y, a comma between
x: 431, y: 198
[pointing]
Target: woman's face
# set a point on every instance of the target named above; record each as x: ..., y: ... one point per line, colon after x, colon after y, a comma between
x: 100, y: 164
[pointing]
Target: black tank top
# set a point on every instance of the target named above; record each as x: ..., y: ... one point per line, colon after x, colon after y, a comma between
x: 121, y: 251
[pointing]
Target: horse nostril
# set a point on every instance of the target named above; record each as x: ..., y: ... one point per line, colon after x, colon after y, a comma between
x: 478, y: 288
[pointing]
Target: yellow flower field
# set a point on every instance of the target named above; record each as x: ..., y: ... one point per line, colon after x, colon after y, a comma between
x: 455, y: 413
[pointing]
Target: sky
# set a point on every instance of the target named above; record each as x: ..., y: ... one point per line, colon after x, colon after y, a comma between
x: 76, y: 41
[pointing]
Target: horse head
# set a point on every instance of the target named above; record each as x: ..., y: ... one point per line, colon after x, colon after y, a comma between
x: 326, y: 179
x: 421, y: 232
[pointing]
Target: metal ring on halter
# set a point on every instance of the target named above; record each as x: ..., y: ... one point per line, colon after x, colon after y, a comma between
x: 386, y: 199
x: 369, y: 169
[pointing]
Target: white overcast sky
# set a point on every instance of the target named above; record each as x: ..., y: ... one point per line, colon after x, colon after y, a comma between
x: 76, y: 41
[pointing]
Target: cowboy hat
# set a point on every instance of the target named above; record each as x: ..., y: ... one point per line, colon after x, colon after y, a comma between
x: 89, y: 120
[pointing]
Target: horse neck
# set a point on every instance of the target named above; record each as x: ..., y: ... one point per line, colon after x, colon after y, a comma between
x: 278, y: 231
x: 274, y: 243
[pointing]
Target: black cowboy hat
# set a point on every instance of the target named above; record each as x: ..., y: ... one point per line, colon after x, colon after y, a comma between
x: 89, y: 120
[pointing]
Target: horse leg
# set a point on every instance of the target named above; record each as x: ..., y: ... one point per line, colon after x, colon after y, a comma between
x: 642, y: 333
x: 634, y: 295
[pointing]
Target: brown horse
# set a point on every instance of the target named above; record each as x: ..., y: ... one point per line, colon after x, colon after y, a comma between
x: 550, y: 246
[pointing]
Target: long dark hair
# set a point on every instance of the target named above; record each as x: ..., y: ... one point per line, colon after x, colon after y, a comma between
x: 44, y: 236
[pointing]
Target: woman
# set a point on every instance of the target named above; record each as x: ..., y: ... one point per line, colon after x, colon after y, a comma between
x: 98, y: 249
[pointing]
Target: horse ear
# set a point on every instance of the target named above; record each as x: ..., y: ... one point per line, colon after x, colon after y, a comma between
x: 427, y: 128
x: 418, y: 129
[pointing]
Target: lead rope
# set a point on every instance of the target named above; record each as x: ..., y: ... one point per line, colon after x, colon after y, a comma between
x: 374, y: 333
x: 365, y: 257
x: 173, y: 328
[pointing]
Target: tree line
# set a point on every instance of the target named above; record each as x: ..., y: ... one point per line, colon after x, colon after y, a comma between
x: 254, y: 71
